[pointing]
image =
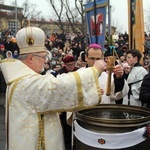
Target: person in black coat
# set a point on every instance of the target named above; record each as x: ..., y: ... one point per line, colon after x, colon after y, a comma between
x: 69, y: 66
x: 145, y: 91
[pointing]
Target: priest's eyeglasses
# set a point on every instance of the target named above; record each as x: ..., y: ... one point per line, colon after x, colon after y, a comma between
x: 93, y: 58
x: 44, y: 57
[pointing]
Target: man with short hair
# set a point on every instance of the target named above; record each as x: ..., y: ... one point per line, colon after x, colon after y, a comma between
x: 119, y: 87
x: 135, y: 77
x: 34, y: 100
x: 69, y: 65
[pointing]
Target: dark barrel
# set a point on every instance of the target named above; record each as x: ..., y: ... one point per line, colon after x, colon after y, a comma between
x: 112, y: 127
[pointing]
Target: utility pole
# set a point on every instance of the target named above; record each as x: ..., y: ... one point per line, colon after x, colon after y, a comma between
x: 16, y: 17
x: 109, y: 18
x: 110, y: 41
x: 95, y: 21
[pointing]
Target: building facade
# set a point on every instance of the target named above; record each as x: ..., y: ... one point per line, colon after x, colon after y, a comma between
x: 8, y: 21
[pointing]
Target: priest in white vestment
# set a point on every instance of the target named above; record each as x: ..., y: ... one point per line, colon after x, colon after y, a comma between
x: 33, y: 100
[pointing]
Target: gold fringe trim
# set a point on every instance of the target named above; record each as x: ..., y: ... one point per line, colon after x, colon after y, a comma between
x: 41, y: 138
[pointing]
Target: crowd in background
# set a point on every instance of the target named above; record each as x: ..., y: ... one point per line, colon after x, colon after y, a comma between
x: 61, y: 45
x: 66, y: 53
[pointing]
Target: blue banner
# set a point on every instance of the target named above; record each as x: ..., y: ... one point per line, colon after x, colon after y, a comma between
x: 96, y: 21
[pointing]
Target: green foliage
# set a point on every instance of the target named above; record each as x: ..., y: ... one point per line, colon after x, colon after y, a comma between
x: 110, y: 40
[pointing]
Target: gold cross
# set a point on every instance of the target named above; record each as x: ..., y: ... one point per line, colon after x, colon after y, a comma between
x: 28, y: 127
x: 53, y: 89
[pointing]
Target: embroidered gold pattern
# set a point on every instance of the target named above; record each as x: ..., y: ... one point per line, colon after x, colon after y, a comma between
x: 12, y: 91
x: 16, y: 80
x: 97, y: 84
x: 8, y: 60
x: 79, y: 89
x: 9, y: 98
x: 8, y: 102
x: 30, y: 40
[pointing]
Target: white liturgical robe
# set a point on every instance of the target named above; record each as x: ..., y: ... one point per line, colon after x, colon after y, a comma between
x: 33, y: 102
x: 114, y: 96
x: 136, y: 74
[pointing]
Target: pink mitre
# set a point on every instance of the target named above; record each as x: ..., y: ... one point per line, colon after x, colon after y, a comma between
x: 95, y: 46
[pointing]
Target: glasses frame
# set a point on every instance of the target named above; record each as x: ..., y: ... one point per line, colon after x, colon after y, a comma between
x: 93, y: 58
x: 70, y: 65
x: 44, y: 57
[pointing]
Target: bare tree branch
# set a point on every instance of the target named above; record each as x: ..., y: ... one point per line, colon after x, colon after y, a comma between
x: 72, y: 14
x: 58, y: 13
x: 29, y: 11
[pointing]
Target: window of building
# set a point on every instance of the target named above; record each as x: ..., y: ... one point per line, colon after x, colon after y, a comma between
x: 12, y: 25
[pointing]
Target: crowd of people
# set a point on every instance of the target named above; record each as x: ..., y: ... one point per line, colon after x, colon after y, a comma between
x: 45, y: 99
